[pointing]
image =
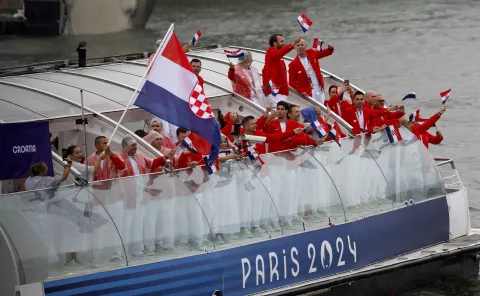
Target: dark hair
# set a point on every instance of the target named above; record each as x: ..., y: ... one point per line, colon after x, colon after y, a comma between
x: 246, y: 119
x: 98, y: 139
x: 274, y: 38
x: 37, y: 168
x: 141, y: 133
x: 70, y: 149
x: 292, y: 106
x: 285, y: 105
x: 330, y: 88
x: 195, y: 61
x: 358, y: 93
x: 221, y: 119
x: 181, y: 130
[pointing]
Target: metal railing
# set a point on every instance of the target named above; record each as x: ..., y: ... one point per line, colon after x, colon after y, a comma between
x: 449, y: 173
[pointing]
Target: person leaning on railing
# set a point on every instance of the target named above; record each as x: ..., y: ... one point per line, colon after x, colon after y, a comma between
x: 421, y: 131
x: 39, y: 180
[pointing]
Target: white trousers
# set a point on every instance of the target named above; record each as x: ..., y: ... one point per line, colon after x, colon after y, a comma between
x: 271, y: 99
x: 318, y: 95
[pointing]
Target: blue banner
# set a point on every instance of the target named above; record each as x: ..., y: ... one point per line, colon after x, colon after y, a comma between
x: 22, y: 145
x: 276, y: 262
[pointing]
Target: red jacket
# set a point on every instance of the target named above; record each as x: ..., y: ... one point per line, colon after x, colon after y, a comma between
x: 298, y: 77
x: 421, y: 131
x: 368, y: 116
x: 266, y: 89
x: 290, y: 143
x: 241, y: 83
x: 276, y: 69
x: 270, y: 139
x: 340, y: 107
x: 387, y: 119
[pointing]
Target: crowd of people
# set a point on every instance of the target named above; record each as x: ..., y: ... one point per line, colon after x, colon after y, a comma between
x: 147, y: 221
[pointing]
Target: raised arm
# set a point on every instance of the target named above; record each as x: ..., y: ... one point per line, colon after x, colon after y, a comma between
x: 325, y: 52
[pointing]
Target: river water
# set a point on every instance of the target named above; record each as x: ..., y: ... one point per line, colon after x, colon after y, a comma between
x: 390, y: 46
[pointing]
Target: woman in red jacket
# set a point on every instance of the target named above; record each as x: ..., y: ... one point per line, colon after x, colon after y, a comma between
x: 246, y: 80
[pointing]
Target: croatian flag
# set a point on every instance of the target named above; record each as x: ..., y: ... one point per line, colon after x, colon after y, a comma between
x: 172, y: 92
x: 215, y: 167
x: 196, y: 37
x: 234, y: 54
x: 411, y: 95
x: 393, y: 134
x: 273, y: 88
x: 319, y: 128
x: 334, y: 133
x: 445, y: 95
x: 253, y: 155
x: 317, y: 44
x: 304, y: 22
x: 187, y: 143
x: 414, y: 116
x: 311, y: 117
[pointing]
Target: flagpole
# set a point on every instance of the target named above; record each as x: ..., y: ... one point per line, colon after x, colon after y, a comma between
x: 84, y: 135
x: 135, y: 93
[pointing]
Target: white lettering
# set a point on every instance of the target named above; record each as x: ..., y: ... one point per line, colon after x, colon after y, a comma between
x: 284, y: 265
x: 294, y: 250
x: 340, y: 251
x: 311, y: 255
x: 352, y: 250
x: 260, y: 273
x: 245, y: 275
x: 24, y: 149
x: 273, y: 270
x: 326, y: 245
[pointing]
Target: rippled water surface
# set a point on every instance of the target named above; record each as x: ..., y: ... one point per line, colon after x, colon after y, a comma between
x: 389, y: 46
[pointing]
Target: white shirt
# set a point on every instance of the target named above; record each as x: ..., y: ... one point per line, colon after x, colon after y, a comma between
x: 132, y: 160
x: 80, y: 167
x: 360, y: 119
x: 310, y: 73
x: 283, y: 126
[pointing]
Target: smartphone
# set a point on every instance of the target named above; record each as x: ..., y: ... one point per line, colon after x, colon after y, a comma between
x: 347, y: 82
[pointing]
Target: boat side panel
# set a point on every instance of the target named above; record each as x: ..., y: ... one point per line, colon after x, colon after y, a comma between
x: 277, y: 262
x: 459, y: 213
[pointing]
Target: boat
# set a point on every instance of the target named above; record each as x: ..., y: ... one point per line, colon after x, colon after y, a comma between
x: 386, y: 218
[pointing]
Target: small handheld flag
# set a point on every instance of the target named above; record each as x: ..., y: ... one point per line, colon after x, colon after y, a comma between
x: 304, y: 22
x: 273, y: 88
x: 215, y: 167
x: 234, y: 55
x: 445, y: 95
x: 411, y: 95
x: 253, y: 155
x: 317, y: 44
x: 187, y: 143
x: 196, y: 37
x: 393, y: 134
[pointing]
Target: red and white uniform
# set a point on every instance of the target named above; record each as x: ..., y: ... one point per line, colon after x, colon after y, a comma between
x: 276, y: 71
x: 305, y: 75
x: 361, y: 120
x: 277, y: 127
x: 421, y: 131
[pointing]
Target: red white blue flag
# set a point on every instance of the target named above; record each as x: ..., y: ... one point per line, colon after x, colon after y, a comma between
x: 234, y: 53
x: 253, y: 155
x: 273, y: 88
x: 304, y: 22
x: 393, y: 134
x: 317, y: 44
x: 172, y: 92
x: 410, y: 95
x: 215, y: 167
x: 196, y: 37
x: 445, y: 95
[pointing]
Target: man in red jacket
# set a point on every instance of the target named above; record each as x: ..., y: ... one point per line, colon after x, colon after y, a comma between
x: 336, y: 103
x: 387, y: 119
x: 360, y: 117
x: 283, y: 124
x: 421, y: 130
x: 275, y: 69
x: 304, y: 71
